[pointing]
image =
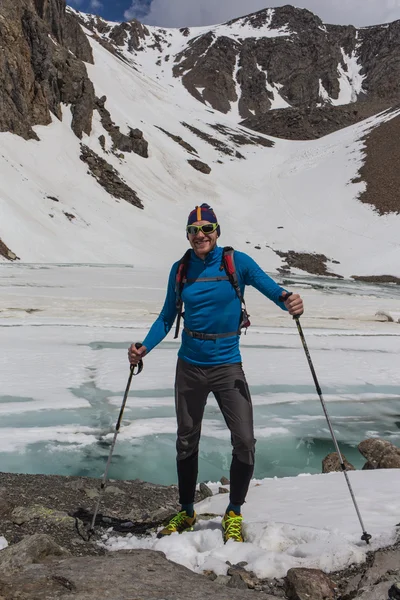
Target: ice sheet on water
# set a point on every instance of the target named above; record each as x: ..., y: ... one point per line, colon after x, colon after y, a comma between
x: 64, y: 383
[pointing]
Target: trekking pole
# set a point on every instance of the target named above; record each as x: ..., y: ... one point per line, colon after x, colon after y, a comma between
x: 365, y: 536
x: 117, y: 427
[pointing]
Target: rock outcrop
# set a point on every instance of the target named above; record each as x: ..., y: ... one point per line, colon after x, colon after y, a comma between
x: 380, y: 454
x: 47, y: 558
x: 41, y: 68
x: 108, y: 177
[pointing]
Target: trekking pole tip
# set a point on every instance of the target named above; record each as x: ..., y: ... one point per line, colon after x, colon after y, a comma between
x: 366, y: 537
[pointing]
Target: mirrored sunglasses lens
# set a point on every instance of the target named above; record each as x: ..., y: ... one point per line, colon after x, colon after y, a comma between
x: 192, y: 229
x: 208, y: 228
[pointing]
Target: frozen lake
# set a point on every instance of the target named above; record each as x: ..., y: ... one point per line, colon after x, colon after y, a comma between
x: 65, y: 331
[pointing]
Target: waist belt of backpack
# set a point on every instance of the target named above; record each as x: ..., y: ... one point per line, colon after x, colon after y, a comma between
x: 199, y: 335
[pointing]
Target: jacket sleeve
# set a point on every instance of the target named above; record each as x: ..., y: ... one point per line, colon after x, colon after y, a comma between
x: 163, y: 324
x: 252, y: 274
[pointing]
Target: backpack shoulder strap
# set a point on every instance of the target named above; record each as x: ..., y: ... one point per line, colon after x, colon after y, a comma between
x: 180, y: 280
x: 228, y: 263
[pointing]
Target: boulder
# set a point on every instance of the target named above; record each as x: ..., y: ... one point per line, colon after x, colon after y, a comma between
x: 32, y: 549
x: 331, y: 463
x: 309, y: 584
x: 380, y: 454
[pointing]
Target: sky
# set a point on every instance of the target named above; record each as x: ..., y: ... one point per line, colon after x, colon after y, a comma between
x: 179, y: 13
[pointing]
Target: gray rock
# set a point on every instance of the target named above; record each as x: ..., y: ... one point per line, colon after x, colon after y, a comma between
x: 383, y: 563
x: 331, y: 463
x: 224, y: 481
x: 373, y: 449
x: 307, y: 584
x: 247, y: 576
x: 377, y: 592
x: 352, y: 586
x: 23, y: 514
x: 5, y: 506
x: 143, y: 574
x: 205, y: 491
x: 32, y: 549
x: 222, y: 579
x: 390, y: 459
x: 222, y: 490
x: 237, y: 582
x: 394, y: 591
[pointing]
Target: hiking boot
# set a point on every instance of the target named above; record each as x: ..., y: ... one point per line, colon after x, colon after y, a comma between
x: 232, y: 527
x: 181, y: 522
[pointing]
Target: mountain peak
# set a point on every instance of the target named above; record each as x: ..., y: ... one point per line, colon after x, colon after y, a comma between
x: 280, y: 17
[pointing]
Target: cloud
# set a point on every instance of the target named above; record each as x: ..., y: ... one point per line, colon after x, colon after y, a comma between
x: 179, y: 13
x: 137, y: 10
x: 95, y: 5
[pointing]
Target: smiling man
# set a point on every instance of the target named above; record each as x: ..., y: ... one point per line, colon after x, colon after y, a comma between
x: 210, y: 282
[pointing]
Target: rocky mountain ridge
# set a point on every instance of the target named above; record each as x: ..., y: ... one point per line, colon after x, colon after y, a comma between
x: 275, y: 58
x: 182, y: 106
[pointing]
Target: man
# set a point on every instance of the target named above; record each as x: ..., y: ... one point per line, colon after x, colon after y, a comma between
x: 209, y: 361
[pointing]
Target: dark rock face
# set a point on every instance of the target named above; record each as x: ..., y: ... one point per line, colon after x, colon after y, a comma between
x: 108, y: 177
x: 200, y: 166
x: 307, y: 54
x: 37, y: 74
x: 6, y: 252
x: 379, y: 53
x: 380, y: 168
x: 312, y: 122
x: 209, y: 63
x: 134, y: 142
x: 309, y: 262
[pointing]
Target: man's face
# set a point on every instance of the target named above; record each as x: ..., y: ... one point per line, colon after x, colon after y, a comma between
x: 202, y: 243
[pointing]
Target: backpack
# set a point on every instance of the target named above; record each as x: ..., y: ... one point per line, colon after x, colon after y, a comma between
x: 227, y: 265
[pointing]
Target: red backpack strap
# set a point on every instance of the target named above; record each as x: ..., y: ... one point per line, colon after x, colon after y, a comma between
x: 228, y: 263
x: 180, y: 281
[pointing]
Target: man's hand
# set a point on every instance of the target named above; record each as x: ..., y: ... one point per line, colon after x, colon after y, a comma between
x: 294, y: 304
x: 135, y: 355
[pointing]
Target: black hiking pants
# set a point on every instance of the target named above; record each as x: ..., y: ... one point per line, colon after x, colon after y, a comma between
x: 227, y: 382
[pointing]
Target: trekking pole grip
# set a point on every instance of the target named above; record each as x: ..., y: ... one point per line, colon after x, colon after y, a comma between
x: 139, y: 366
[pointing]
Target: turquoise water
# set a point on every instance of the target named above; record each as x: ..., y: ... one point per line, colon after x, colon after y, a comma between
x: 152, y: 458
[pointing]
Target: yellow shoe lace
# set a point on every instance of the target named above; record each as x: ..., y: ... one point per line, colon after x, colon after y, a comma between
x: 232, y: 525
x: 176, y: 522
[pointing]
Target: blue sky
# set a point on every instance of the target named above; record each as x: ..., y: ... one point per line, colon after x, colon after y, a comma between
x: 113, y: 10
x: 179, y: 13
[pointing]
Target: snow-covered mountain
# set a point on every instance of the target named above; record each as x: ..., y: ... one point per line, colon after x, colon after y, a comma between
x: 113, y: 132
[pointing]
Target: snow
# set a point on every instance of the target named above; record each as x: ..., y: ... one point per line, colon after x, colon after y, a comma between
x: 67, y: 329
x: 3, y: 543
x: 86, y: 289
x: 350, y: 81
x: 289, y: 522
x: 299, y: 195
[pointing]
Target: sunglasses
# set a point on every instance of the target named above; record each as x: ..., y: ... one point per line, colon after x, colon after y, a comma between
x: 206, y: 229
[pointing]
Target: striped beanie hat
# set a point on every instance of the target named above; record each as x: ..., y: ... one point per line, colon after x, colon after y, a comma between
x: 203, y: 213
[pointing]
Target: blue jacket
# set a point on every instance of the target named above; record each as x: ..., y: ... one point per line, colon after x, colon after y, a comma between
x: 211, y: 307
